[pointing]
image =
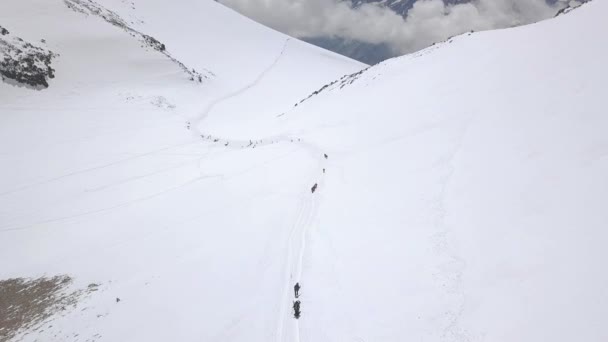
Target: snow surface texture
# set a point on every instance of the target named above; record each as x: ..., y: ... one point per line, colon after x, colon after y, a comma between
x: 471, y: 208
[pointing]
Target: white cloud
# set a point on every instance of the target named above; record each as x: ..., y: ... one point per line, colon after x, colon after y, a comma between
x: 427, y: 22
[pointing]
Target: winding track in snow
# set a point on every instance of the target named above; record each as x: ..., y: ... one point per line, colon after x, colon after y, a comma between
x: 200, y: 118
x: 308, y: 206
x: 196, y: 121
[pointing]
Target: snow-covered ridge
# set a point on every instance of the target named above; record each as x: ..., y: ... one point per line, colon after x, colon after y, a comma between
x: 89, y: 7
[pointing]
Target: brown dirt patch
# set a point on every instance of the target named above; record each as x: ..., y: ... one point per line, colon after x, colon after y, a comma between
x: 27, y: 303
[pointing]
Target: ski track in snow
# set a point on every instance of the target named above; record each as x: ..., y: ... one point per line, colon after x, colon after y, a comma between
x: 307, y: 215
x: 288, y: 328
x: 240, y: 91
x: 452, y: 270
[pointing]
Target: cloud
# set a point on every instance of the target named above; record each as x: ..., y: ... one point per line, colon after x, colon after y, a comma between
x: 427, y: 22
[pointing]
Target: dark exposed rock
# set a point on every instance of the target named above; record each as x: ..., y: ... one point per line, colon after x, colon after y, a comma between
x: 341, y: 83
x: 23, y: 63
x: 152, y: 42
x: 570, y: 7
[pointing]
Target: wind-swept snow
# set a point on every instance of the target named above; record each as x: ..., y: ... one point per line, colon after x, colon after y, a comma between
x: 456, y: 194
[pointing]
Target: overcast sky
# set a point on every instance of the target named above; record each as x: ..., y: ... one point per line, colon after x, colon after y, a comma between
x: 427, y: 22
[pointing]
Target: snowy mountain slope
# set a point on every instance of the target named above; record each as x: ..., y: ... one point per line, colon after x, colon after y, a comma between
x: 468, y: 209
x: 473, y: 207
x: 102, y: 180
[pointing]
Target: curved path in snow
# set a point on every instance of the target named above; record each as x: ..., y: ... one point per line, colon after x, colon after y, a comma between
x: 288, y: 328
x: 239, y: 91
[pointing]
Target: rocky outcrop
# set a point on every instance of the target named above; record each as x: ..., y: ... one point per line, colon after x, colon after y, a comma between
x: 23, y: 63
x: 339, y: 83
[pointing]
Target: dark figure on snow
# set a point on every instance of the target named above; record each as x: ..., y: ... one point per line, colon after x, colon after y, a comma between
x: 325, y: 155
x: 296, y: 309
x: 314, y: 188
x: 296, y: 290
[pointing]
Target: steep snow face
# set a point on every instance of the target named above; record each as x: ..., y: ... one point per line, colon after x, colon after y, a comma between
x: 456, y: 194
x: 473, y: 206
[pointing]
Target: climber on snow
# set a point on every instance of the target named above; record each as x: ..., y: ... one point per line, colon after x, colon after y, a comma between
x: 296, y: 290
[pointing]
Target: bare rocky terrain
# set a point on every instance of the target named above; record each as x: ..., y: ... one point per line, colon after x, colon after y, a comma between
x: 26, y: 304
